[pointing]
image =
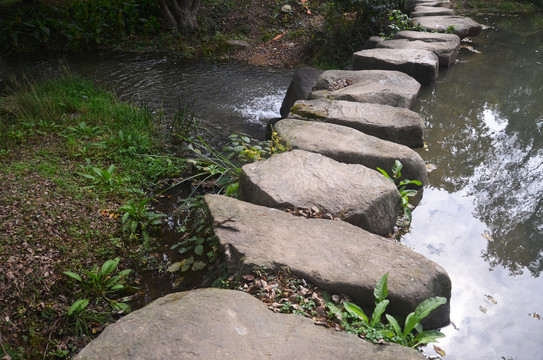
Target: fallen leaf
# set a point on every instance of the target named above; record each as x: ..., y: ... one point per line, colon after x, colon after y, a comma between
x: 482, y: 309
x: 487, y: 236
x: 174, y: 267
x: 491, y: 299
x: 439, y: 350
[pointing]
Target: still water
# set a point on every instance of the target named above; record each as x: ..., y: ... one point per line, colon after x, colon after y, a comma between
x: 482, y: 217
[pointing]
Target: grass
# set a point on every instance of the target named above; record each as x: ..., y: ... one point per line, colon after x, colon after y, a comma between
x: 52, y: 219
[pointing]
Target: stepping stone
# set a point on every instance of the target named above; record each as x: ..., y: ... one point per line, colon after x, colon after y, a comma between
x: 463, y: 26
x: 395, y: 124
x: 445, y: 46
x: 350, y: 146
x: 302, y: 179
x: 217, y: 324
x: 411, y: 4
x: 421, y: 10
x: 333, y: 255
x: 299, y: 88
x: 367, y: 86
x: 423, y: 65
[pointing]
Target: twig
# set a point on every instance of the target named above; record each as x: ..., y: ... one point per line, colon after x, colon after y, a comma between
x: 49, y: 338
x: 2, y: 345
x: 275, y: 38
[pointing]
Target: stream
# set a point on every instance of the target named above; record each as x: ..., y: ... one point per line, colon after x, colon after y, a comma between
x: 481, y: 218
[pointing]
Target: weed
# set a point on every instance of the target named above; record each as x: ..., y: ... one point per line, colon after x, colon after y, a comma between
x: 198, y: 243
x: 83, y: 131
x: 355, y: 320
x: 402, y: 187
x: 101, y: 285
x: 137, y: 218
x: 101, y: 178
x: 399, y: 22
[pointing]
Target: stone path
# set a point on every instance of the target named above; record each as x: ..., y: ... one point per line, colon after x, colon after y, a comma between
x: 342, y: 125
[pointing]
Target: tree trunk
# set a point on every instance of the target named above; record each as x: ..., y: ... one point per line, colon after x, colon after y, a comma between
x: 185, y: 14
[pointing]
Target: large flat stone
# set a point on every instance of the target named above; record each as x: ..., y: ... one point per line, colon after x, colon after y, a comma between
x: 297, y: 178
x: 422, y: 65
x: 463, y: 26
x: 395, y: 124
x: 213, y: 324
x: 368, y: 86
x: 421, y: 10
x: 445, y: 46
x: 333, y: 255
x: 411, y: 4
x: 350, y: 146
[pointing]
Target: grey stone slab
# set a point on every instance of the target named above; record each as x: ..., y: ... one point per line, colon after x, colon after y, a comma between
x: 299, y: 88
x: 297, y: 178
x: 445, y: 46
x: 421, y: 10
x: 351, y: 146
x: 422, y: 65
x: 395, y: 124
x: 367, y: 86
x: 463, y: 26
x: 411, y: 4
x: 332, y: 254
x: 217, y: 324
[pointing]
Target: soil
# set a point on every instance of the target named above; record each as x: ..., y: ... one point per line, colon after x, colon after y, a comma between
x: 275, y: 36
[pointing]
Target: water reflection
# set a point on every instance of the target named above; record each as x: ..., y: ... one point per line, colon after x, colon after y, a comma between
x: 486, y: 112
x: 482, y: 219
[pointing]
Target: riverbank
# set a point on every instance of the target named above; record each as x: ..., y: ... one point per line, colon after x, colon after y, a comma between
x: 76, y: 167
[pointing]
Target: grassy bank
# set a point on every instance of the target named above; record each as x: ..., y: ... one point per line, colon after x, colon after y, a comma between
x: 73, y: 163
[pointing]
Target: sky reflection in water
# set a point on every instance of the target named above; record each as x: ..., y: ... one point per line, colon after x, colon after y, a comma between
x: 482, y: 218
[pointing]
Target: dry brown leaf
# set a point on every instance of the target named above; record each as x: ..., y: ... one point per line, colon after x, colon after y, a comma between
x: 491, y: 299
x: 439, y: 350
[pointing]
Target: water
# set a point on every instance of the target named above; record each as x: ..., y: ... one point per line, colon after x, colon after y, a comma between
x: 482, y: 219
x: 227, y: 97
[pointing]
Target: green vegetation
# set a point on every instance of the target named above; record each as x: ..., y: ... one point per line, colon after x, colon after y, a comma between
x: 286, y: 293
x: 74, y: 25
x: 76, y: 165
x: 347, y: 25
x: 354, y: 319
x: 402, y: 185
x: 501, y: 6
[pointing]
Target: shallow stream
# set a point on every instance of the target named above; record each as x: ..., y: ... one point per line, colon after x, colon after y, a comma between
x: 482, y: 216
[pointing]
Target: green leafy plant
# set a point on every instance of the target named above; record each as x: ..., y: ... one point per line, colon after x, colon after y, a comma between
x: 198, y: 243
x: 399, y: 22
x: 101, y: 178
x: 405, y: 193
x: 137, y: 218
x: 100, y: 283
x: 83, y: 131
x: 373, y: 329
